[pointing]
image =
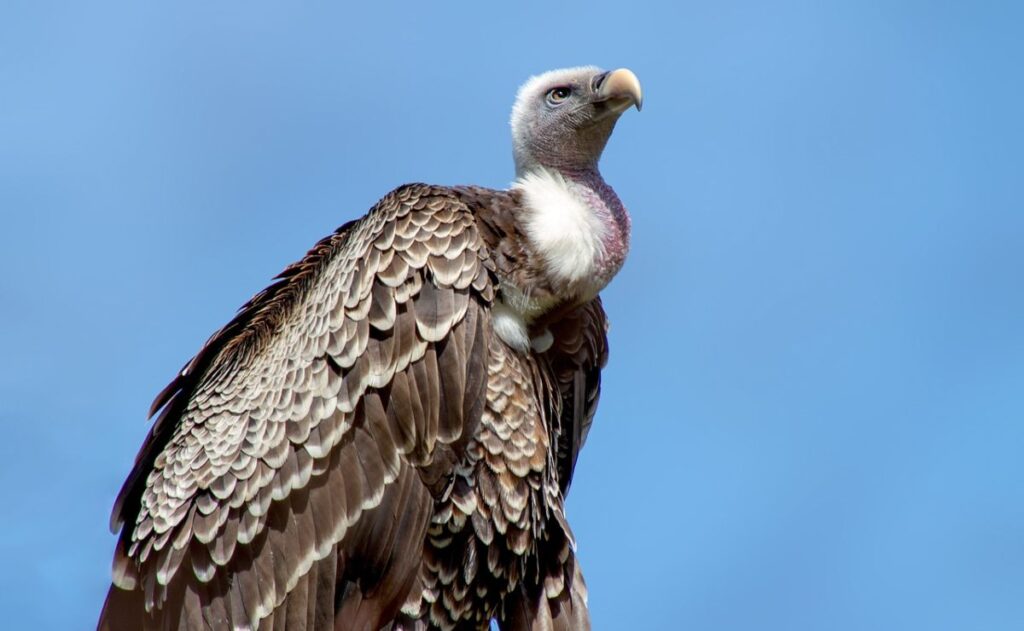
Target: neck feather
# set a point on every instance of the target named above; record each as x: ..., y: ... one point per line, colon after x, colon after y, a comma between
x: 577, y: 227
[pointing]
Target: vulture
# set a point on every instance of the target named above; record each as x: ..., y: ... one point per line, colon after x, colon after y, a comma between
x: 384, y: 437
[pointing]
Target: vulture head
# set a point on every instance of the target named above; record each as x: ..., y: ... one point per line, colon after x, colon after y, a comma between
x: 563, y: 118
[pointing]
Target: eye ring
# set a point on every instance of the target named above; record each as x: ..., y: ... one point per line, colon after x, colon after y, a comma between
x: 557, y: 96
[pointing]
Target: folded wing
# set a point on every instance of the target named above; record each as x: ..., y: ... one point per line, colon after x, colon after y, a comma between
x: 289, y: 478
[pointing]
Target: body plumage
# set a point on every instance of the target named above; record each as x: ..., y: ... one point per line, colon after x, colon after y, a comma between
x: 384, y: 437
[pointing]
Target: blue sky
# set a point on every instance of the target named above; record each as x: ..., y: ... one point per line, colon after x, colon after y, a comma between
x: 814, y: 413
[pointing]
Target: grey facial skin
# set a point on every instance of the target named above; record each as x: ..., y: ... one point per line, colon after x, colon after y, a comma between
x: 567, y: 119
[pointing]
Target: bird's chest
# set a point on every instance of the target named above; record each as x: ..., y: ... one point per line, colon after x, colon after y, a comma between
x: 489, y: 534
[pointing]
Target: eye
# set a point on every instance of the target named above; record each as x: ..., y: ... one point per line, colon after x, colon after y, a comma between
x: 555, y: 96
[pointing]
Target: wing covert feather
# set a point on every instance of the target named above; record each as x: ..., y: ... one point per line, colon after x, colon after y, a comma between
x: 330, y: 400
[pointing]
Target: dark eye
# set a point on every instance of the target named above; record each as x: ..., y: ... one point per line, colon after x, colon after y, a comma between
x: 555, y: 96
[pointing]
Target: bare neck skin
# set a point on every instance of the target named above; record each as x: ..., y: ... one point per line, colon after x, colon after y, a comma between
x: 576, y: 163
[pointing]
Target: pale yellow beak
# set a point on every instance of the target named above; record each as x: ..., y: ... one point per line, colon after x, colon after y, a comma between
x: 622, y: 85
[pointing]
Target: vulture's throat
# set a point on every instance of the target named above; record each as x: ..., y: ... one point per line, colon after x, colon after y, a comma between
x: 576, y: 227
x: 577, y: 232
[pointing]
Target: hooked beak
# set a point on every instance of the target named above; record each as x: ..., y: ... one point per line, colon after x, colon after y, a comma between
x: 619, y: 89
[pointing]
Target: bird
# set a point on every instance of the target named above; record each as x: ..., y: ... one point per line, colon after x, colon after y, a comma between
x: 384, y: 437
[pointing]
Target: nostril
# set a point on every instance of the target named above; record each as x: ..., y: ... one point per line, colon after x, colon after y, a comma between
x: 598, y: 80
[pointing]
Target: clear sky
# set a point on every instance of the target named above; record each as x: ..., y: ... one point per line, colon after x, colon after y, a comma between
x: 814, y: 413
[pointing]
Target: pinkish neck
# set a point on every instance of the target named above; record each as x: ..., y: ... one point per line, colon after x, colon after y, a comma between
x: 591, y: 178
x: 606, y: 205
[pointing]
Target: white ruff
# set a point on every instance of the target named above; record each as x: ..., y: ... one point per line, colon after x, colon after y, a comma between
x: 562, y: 228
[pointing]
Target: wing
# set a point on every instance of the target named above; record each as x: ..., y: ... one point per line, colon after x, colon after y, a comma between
x: 289, y: 479
x: 579, y: 352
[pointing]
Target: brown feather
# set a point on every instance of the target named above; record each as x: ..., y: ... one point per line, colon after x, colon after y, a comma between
x: 301, y: 457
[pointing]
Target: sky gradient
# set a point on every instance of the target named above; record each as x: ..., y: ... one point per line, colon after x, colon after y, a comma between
x: 813, y: 417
